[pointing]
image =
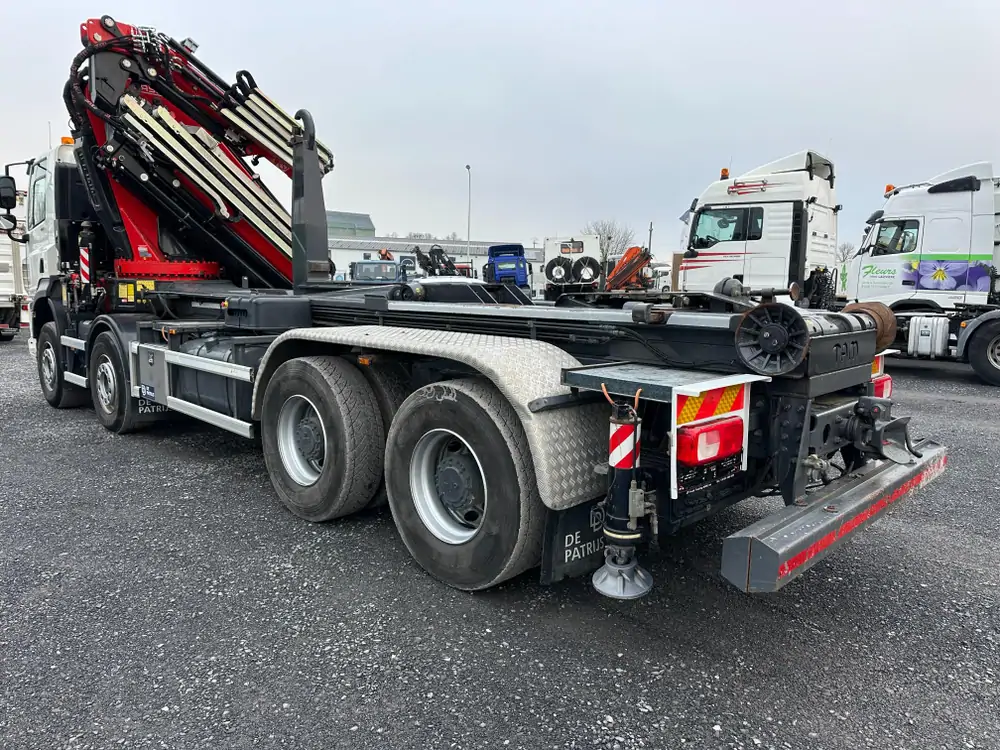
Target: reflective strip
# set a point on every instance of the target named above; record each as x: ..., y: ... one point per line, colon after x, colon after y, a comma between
x: 710, y: 404
x: 85, y: 265
x: 621, y: 446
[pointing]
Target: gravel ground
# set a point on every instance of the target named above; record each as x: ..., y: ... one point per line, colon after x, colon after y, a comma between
x: 154, y: 594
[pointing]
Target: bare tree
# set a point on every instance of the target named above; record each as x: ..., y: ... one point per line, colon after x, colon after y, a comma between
x: 616, y: 238
x: 419, y: 236
x: 394, y: 234
x: 453, y: 237
x: 844, y: 251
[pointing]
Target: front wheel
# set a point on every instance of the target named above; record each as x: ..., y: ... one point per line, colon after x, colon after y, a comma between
x: 984, y: 352
x: 461, y: 485
x: 57, y: 391
x: 114, y: 406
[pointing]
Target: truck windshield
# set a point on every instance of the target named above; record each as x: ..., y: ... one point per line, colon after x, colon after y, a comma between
x: 375, y: 271
x: 507, y: 266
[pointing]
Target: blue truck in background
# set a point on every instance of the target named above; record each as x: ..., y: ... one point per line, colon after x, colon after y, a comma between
x: 506, y: 264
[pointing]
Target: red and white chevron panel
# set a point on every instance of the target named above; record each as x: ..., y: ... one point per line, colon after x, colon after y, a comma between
x: 623, y: 446
x: 85, y: 265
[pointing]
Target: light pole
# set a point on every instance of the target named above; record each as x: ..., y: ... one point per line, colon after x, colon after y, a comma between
x: 468, y: 226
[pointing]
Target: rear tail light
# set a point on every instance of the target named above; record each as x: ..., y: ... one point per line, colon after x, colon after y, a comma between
x: 883, y: 386
x: 709, y: 441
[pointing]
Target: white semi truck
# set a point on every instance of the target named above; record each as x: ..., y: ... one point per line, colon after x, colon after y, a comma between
x: 768, y: 228
x: 572, y: 265
x: 930, y: 254
x: 13, y: 300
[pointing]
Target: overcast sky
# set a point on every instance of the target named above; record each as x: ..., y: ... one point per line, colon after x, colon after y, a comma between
x: 568, y: 110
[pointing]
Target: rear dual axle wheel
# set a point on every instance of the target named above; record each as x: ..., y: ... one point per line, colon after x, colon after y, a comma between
x: 457, y: 470
x: 461, y: 485
x: 323, y: 437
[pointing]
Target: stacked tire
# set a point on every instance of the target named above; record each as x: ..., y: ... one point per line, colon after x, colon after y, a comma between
x: 559, y: 270
x: 586, y: 270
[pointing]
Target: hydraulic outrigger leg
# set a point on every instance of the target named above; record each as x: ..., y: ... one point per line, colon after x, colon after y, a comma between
x: 621, y: 577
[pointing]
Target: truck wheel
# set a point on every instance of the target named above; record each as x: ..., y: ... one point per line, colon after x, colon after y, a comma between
x: 6, y: 338
x: 462, y: 486
x: 390, y: 383
x: 984, y: 352
x: 57, y: 391
x: 322, y: 436
x: 114, y: 406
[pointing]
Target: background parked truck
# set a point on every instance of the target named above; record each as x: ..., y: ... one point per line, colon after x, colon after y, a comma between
x: 930, y: 254
x: 769, y: 227
x: 13, y: 298
x: 572, y: 265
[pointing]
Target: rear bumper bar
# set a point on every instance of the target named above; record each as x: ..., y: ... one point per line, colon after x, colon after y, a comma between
x: 768, y: 554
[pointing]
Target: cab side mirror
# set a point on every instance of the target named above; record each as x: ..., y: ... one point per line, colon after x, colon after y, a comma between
x: 8, y: 193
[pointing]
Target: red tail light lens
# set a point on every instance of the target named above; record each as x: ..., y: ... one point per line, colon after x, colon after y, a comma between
x: 711, y: 441
x: 883, y: 386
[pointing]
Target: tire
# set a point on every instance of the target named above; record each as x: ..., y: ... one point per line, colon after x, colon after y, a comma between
x: 984, y: 352
x: 6, y: 338
x: 390, y: 384
x: 57, y: 391
x: 505, y: 538
x: 114, y: 406
x: 323, y: 406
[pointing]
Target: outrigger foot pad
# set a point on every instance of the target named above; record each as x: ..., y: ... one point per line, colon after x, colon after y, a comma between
x: 626, y: 580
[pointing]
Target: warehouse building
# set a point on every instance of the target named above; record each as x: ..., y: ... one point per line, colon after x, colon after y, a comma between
x: 352, y: 238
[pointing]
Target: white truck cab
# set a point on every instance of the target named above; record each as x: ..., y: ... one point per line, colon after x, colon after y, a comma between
x: 41, y: 221
x: 931, y: 244
x: 43, y: 218
x: 768, y: 227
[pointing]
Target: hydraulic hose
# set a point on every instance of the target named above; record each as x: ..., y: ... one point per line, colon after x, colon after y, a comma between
x: 76, y: 87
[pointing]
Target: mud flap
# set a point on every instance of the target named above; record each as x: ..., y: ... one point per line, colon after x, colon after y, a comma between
x: 767, y: 555
x: 573, y: 544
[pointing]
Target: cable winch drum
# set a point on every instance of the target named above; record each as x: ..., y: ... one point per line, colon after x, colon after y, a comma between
x: 559, y: 270
x: 774, y: 338
x: 885, y: 321
x: 586, y: 270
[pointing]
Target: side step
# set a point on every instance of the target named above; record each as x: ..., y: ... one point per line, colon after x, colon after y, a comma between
x: 79, y: 345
